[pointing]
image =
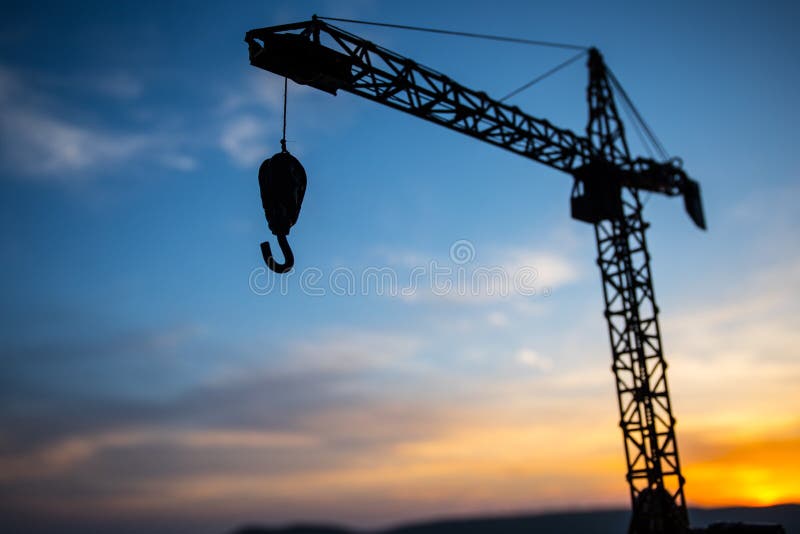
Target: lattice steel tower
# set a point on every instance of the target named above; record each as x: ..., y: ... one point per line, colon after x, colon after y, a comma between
x: 646, y: 420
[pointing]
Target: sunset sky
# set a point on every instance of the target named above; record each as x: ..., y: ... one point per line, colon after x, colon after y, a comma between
x: 153, y: 380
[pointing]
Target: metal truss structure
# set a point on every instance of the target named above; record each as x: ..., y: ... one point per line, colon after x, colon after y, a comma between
x: 646, y: 420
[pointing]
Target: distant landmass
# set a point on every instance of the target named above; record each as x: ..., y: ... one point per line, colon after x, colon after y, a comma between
x: 597, y: 522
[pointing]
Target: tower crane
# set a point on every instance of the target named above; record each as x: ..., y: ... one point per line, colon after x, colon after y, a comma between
x: 606, y: 193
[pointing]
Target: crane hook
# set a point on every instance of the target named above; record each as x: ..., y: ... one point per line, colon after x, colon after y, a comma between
x: 288, y: 256
x: 282, y: 181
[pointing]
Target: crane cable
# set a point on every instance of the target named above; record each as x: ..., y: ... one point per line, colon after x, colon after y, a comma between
x: 285, y: 91
x: 638, y: 129
x: 659, y: 147
x: 541, y: 77
x: 462, y: 34
x: 643, y: 129
x: 583, y: 49
x: 640, y: 125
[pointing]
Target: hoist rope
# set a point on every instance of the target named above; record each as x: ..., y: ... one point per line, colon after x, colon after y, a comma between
x: 285, y: 91
x: 545, y: 75
x: 462, y: 34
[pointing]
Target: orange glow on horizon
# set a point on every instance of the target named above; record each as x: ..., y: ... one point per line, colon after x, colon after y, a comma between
x: 482, y: 467
x: 753, y: 473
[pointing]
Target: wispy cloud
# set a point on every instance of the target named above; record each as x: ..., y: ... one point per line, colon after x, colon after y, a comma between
x: 179, y: 162
x: 747, y: 339
x: 66, y: 454
x: 363, y: 415
x: 120, y: 85
x: 514, y: 274
x: 555, y: 268
x: 39, y: 144
x: 274, y: 427
x: 251, y: 112
x: 531, y: 358
x: 351, y: 350
x: 40, y: 137
x: 497, y: 319
x: 347, y: 413
x: 244, y: 139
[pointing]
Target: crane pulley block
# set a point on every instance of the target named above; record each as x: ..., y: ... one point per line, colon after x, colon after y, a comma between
x: 282, y: 181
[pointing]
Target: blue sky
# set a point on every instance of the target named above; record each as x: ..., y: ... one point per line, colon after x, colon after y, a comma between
x: 135, y: 350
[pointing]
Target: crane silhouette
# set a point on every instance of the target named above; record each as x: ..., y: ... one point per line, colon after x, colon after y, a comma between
x: 606, y: 194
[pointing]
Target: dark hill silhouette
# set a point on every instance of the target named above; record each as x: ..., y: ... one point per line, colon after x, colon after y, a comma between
x: 596, y: 522
x: 300, y: 529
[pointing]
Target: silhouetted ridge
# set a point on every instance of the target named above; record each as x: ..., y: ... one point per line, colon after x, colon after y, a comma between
x: 584, y: 522
x: 597, y: 522
x: 295, y: 529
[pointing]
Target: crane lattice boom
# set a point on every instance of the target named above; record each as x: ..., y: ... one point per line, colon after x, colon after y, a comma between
x: 365, y: 69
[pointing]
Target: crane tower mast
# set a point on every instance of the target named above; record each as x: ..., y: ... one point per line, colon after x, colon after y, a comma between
x: 607, y: 183
x: 648, y: 426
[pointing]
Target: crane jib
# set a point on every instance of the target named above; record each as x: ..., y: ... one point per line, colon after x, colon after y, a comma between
x: 367, y: 70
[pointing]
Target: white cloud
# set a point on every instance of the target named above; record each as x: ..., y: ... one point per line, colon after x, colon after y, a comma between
x: 351, y: 350
x: 179, y: 162
x: 263, y: 92
x: 734, y: 364
x: 37, y: 143
x: 252, y: 114
x: 517, y: 276
x: 531, y: 358
x: 67, y: 453
x: 244, y: 139
x: 37, y: 138
x: 553, y: 268
x: 245, y: 134
x: 400, y: 258
x: 497, y: 319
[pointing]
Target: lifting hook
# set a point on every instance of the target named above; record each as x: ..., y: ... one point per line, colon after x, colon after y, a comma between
x: 288, y: 257
x: 282, y: 181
